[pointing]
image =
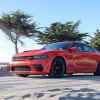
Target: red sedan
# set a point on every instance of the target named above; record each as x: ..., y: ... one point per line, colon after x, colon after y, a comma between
x: 57, y: 59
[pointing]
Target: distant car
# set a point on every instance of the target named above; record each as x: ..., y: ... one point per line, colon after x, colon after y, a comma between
x: 57, y: 59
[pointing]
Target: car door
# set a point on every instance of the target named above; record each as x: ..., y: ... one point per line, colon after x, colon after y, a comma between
x: 84, y: 60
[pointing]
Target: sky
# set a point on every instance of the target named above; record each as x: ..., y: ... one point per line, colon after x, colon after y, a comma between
x: 47, y: 11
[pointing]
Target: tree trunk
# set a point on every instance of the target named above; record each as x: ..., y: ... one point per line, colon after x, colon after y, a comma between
x: 16, y: 44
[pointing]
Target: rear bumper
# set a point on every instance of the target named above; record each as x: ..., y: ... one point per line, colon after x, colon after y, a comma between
x: 30, y: 67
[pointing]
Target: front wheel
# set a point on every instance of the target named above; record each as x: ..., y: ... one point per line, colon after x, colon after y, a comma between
x: 57, y: 68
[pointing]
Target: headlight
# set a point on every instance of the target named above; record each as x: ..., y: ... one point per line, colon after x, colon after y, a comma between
x: 30, y: 57
x: 18, y: 58
x: 37, y: 57
x: 40, y: 57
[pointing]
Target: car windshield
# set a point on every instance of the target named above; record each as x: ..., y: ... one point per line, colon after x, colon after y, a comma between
x: 56, y: 46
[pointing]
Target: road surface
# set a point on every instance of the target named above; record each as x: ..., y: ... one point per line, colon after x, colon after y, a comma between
x: 77, y: 87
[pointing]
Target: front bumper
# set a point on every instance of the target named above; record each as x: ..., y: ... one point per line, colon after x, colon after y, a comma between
x: 30, y: 67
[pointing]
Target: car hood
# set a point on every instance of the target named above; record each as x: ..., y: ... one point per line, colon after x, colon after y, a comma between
x: 32, y: 52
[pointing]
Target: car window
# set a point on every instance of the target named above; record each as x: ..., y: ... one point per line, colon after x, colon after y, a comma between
x: 78, y: 46
x: 88, y: 48
x: 53, y: 46
x: 84, y: 48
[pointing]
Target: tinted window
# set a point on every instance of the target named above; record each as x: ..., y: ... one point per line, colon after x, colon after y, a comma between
x: 53, y: 46
x: 78, y: 46
x: 88, y: 48
x: 84, y: 48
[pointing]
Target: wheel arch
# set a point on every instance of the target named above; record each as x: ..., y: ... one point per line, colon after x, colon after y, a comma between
x: 60, y: 57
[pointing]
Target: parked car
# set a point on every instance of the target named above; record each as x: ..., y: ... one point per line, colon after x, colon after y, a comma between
x: 57, y: 59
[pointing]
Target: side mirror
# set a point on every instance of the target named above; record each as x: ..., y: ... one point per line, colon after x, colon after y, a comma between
x: 72, y: 49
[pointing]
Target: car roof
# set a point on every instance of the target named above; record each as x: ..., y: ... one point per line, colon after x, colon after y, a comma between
x: 71, y: 42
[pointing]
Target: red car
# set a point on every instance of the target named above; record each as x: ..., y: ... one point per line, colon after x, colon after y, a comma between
x: 57, y: 59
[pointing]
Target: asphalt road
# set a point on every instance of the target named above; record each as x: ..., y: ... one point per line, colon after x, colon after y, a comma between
x: 77, y: 87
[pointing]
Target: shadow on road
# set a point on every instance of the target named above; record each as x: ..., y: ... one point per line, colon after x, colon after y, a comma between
x: 75, y: 94
x: 81, y: 94
x: 69, y: 93
x: 73, y: 77
x: 76, y: 87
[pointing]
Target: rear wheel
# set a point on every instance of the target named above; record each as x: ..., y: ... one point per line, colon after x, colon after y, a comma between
x: 97, y: 73
x: 57, y: 68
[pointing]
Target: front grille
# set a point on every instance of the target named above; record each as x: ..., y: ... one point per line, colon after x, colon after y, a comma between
x: 22, y: 68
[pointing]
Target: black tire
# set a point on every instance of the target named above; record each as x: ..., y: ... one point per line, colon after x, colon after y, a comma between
x: 57, y: 68
x: 97, y: 73
x: 23, y: 75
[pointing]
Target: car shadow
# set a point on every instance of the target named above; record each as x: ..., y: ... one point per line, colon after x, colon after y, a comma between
x: 74, y: 77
